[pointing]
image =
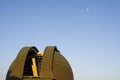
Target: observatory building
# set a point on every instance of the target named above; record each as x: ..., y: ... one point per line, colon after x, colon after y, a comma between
x: 30, y: 64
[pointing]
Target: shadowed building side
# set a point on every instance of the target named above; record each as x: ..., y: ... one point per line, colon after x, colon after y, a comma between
x: 61, y: 68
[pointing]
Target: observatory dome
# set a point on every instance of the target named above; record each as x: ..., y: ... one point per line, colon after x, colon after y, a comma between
x: 30, y: 64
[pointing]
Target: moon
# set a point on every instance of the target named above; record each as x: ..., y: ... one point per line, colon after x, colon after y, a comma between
x: 87, y: 9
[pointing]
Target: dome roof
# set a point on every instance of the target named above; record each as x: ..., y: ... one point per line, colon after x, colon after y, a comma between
x: 32, y: 64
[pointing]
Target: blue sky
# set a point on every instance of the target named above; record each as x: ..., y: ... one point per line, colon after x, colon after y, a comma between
x: 87, y: 32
